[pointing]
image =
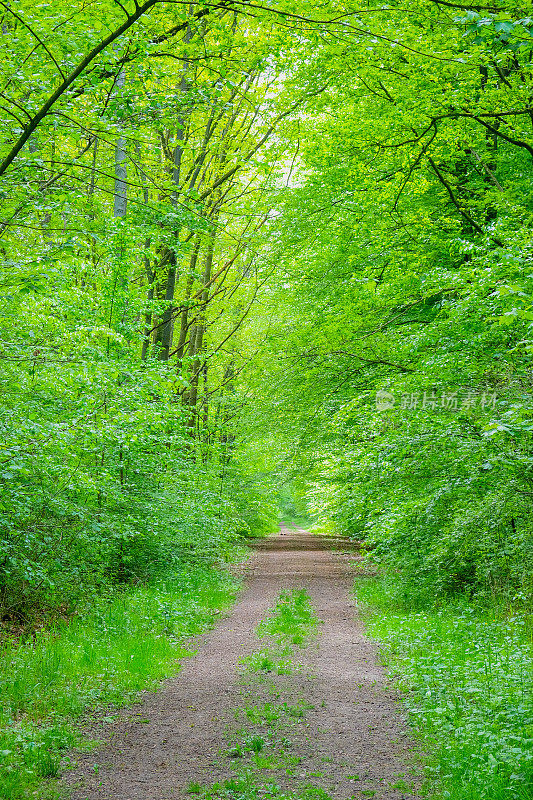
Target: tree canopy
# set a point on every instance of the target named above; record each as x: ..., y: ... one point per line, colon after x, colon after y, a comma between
x: 254, y: 250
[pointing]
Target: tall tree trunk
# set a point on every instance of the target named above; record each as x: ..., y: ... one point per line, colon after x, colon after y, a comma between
x: 196, y: 368
x: 205, y: 398
x: 166, y: 326
x: 92, y: 183
x: 121, y: 170
x: 184, y: 325
x: 150, y: 274
x: 163, y: 339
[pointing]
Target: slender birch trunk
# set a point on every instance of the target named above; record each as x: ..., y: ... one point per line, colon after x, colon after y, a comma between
x: 121, y: 171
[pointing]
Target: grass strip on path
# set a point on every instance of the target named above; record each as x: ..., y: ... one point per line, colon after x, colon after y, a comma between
x: 102, y: 658
x: 261, y: 753
x: 245, y: 789
x: 466, y: 677
x: 291, y: 622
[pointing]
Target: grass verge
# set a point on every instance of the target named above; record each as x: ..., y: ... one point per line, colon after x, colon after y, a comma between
x: 99, y: 659
x: 467, y: 682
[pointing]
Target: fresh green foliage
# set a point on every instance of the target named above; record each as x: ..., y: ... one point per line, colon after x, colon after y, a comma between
x: 95, y: 661
x: 467, y: 682
x: 293, y: 504
x: 217, y: 255
x: 405, y: 276
x: 129, y: 266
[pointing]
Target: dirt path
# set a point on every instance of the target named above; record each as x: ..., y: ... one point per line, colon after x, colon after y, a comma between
x: 351, y: 741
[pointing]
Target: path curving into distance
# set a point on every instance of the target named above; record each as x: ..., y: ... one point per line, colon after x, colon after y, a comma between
x: 350, y: 740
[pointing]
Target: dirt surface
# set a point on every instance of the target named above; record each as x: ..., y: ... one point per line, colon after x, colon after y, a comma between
x: 351, y: 740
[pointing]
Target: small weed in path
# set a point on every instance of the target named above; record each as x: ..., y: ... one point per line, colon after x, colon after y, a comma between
x: 269, y: 661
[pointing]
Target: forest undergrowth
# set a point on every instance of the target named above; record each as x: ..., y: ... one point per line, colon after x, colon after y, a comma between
x: 58, y: 679
x: 465, y: 674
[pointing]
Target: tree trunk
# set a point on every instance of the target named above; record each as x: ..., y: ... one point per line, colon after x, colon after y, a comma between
x: 121, y: 170
x: 150, y: 274
x: 165, y: 329
x: 184, y: 325
x: 198, y: 340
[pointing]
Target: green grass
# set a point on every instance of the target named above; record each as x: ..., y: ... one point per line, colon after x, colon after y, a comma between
x: 265, y: 714
x: 267, y: 661
x: 98, y: 659
x: 296, y: 521
x: 292, y: 620
x: 245, y: 789
x: 467, y: 682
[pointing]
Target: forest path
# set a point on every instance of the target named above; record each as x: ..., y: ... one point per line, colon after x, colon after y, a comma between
x: 350, y: 740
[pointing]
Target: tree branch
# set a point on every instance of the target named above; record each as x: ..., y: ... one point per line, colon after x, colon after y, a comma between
x: 456, y: 203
